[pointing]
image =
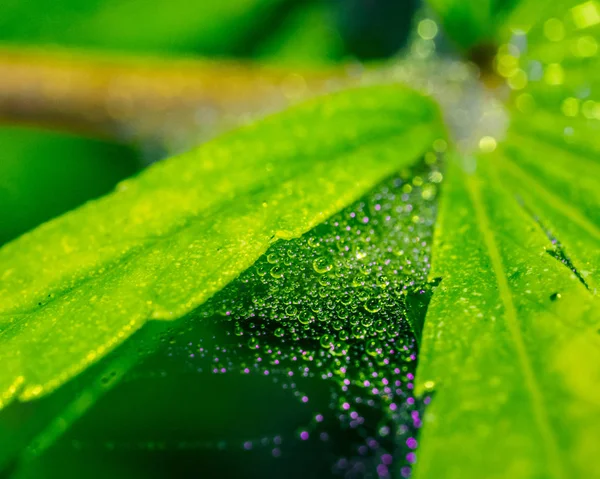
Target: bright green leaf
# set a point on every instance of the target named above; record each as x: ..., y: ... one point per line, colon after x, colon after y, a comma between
x: 168, y: 239
x: 494, y: 22
x: 554, y: 23
x: 510, y: 343
x: 363, y: 257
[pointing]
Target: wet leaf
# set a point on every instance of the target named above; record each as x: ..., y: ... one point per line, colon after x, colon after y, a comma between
x: 335, y: 297
x: 167, y: 240
x: 510, y: 345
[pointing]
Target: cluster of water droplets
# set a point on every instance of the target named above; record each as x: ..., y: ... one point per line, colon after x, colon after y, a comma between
x: 335, y: 307
x: 340, y: 304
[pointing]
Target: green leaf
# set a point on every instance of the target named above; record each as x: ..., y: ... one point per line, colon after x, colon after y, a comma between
x: 45, y: 174
x: 553, y: 59
x: 472, y: 23
x: 511, y: 342
x: 551, y: 26
x: 42, y: 187
x: 376, y: 263
x: 210, y: 28
x: 494, y: 22
x: 306, y: 37
x: 168, y: 239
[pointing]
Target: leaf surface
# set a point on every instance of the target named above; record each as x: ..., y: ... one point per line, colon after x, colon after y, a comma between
x: 510, y: 343
x: 364, y: 264
x: 167, y: 240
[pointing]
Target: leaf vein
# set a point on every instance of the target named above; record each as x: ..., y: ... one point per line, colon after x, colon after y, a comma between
x: 510, y: 315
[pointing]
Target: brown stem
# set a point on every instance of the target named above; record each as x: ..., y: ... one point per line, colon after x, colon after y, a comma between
x: 131, y: 99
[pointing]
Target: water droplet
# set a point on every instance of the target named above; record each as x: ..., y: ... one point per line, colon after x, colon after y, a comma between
x: 373, y: 305
x: 279, y: 332
x: 321, y: 265
x: 326, y: 341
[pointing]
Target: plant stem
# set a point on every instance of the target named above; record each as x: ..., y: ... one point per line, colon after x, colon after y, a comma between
x: 142, y: 99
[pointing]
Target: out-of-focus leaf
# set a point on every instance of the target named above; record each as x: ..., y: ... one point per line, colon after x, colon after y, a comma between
x: 307, y: 37
x: 209, y: 28
x: 167, y: 240
x: 375, y: 258
x: 558, y: 24
x: 45, y: 174
x: 553, y: 144
x: 469, y: 23
x: 227, y: 27
x: 551, y: 62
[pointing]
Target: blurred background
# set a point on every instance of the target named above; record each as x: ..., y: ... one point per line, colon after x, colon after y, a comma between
x: 44, y: 173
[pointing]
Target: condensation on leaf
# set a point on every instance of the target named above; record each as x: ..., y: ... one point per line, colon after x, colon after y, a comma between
x: 343, y: 328
x: 168, y: 239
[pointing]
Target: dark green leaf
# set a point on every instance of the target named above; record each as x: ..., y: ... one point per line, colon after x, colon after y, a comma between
x: 44, y: 174
x: 469, y: 23
x: 209, y: 28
